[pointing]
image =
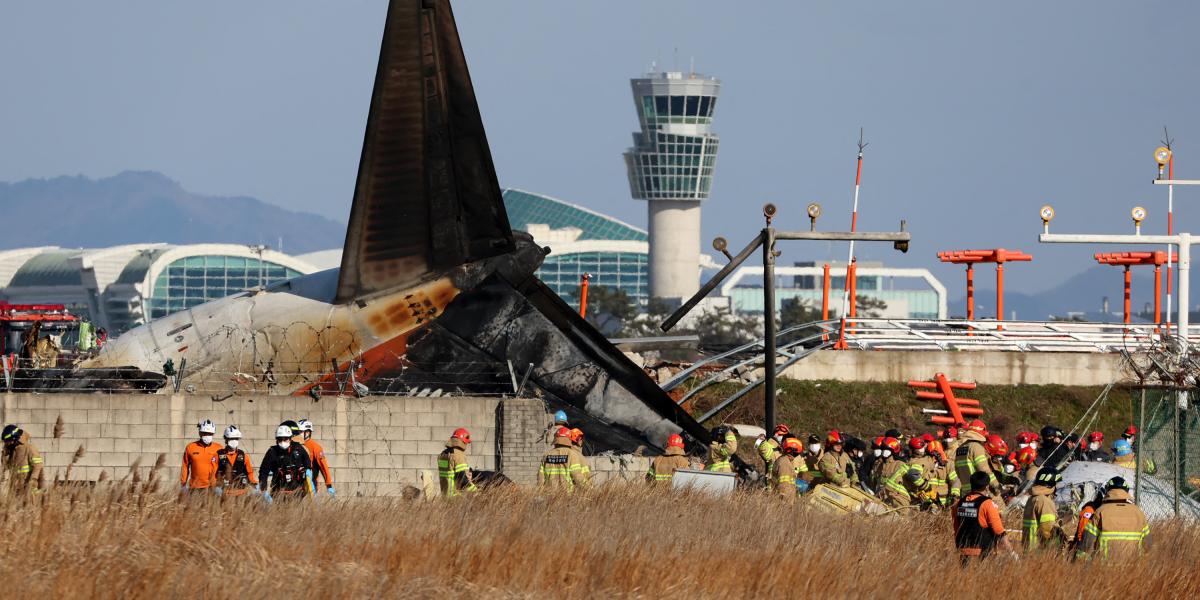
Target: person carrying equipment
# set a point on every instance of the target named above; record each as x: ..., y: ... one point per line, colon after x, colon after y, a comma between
x: 783, y: 474
x: 928, y: 467
x: 235, y: 474
x: 1118, y: 531
x: 563, y: 467
x: 199, y: 470
x: 721, y: 449
x: 454, y: 474
x: 977, y: 526
x: 560, y: 420
x: 286, y: 468
x: 971, y: 456
x: 320, y: 464
x: 662, y: 468
x: 834, y: 464
x: 1041, y: 529
x: 22, y: 461
x: 899, y: 482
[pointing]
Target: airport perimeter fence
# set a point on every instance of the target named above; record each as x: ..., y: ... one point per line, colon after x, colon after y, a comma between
x: 1168, y: 441
x: 399, y: 378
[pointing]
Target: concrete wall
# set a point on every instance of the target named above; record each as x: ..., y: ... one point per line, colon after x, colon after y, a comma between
x: 987, y: 367
x: 376, y: 445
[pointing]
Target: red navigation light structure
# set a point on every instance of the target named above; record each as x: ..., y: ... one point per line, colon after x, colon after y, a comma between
x: 957, y: 410
x: 970, y: 258
x: 1129, y: 259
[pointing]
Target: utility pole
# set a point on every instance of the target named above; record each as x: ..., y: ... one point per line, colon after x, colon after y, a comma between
x: 766, y: 238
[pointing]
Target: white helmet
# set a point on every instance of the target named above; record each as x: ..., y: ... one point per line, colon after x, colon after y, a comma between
x: 233, y: 433
x: 305, y: 425
x: 206, y: 426
x: 283, y: 431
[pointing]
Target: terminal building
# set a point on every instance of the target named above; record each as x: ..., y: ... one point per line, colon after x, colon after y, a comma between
x: 122, y: 287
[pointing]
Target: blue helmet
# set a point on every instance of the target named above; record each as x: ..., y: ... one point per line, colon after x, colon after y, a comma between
x: 1122, y: 447
x: 560, y: 417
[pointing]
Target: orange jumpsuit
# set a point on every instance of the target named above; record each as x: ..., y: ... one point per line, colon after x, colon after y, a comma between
x: 199, y: 471
x: 320, y: 465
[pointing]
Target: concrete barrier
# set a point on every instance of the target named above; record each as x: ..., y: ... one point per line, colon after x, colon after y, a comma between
x: 986, y: 367
x: 376, y: 446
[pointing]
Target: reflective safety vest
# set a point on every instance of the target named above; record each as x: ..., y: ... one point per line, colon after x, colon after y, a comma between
x: 900, y: 480
x: 563, y: 466
x: 720, y: 453
x: 452, y: 472
x: 970, y: 457
x: 971, y: 535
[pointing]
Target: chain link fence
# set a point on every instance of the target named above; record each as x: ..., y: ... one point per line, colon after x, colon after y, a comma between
x: 1168, y: 442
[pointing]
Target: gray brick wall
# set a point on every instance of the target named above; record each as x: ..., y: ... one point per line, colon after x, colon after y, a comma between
x: 376, y: 445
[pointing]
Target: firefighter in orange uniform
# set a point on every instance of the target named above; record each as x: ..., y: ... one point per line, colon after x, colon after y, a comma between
x: 199, y: 471
x: 320, y: 464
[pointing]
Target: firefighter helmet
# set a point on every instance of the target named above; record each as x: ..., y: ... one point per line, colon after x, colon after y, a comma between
x: 563, y: 432
x: 892, y: 444
x: 461, y: 434
x: 977, y: 426
x: 834, y: 437
x: 1026, y: 456
x: 283, y: 432
x: 995, y: 445
x: 560, y: 416
x: 1050, y: 432
x: 782, y: 430
x: 1116, y: 483
x: 675, y: 441
x: 294, y: 426
x: 1096, y: 436
x: 305, y: 425
x: 12, y: 433
x: 576, y: 436
x: 1130, y: 431
x: 1122, y: 447
x: 233, y: 433
x: 206, y: 426
x: 917, y: 443
x: 1025, y: 437
x: 793, y: 446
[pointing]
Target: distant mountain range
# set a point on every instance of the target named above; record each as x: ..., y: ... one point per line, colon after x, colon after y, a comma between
x: 145, y: 207
x: 1082, y: 293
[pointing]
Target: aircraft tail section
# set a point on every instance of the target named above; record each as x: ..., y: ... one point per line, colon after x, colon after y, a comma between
x: 427, y: 196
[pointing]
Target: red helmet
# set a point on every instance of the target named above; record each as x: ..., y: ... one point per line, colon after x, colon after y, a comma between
x: 563, y: 432
x: 1025, y: 437
x: 995, y: 445
x: 917, y: 443
x: 977, y: 426
x: 878, y: 442
x: 793, y: 446
x: 892, y: 444
x: 1026, y: 456
x: 834, y: 437
x: 1095, y: 436
x: 1130, y: 431
x: 675, y: 441
x: 461, y: 434
x: 928, y: 437
x: 576, y: 435
x: 782, y: 430
x: 948, y: 432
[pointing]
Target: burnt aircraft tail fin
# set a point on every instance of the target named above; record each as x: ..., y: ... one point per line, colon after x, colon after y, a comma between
x: 427, y: 196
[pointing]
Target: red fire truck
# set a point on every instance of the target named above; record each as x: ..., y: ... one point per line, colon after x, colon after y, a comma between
x: 16, y: 320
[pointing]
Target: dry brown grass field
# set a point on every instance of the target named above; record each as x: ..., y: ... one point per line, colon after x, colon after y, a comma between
x: 616, y: 542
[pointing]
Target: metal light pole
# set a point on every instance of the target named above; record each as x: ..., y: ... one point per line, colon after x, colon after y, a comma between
x: 767, y: 238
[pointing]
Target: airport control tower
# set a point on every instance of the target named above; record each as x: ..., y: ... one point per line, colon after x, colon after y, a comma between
x: 671, y: 166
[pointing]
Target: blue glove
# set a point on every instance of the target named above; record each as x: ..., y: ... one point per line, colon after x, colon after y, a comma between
x: 218, y: 491
x: 267, y: 497
x: 308, y: 474
x: 256, y: 491
x: 183, y: 488
x: 331, y: 492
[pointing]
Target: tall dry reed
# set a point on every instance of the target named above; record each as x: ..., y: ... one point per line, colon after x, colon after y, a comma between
x: 615, y: 542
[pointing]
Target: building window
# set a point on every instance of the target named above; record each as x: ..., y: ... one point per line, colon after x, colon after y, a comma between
x: 194, y: 280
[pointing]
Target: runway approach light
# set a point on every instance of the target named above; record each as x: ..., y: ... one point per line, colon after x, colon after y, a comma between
x: 1139, y: 214
x: 1047, y: 214
x: 814, y: 211
x: 1162, y: 156
x: 721, y: 245
x: 769, y: 211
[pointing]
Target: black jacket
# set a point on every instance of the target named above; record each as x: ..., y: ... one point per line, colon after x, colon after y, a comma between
x: 287, y: 469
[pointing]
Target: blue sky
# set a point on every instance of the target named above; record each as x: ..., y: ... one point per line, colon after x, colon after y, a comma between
x: 977, y: 113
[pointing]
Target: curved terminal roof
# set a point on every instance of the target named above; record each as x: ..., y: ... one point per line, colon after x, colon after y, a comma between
x: 526, y: 208
x: 47, y: 269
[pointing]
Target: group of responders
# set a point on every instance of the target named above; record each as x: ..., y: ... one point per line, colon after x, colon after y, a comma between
x: 290, y: 469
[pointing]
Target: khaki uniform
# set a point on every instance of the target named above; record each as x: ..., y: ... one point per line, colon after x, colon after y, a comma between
x: 720, y: 453
x: 897, y: 487
x: 548, y: 435
x: 454, y: 474
x: 970, y: 457
x: 1117, y: 532
x: 929, y: 468
x: 564, y: 468
x: 810, y: 469
x: 1040, y: 529
x: 23, y: 465
x: 768, y: 450
x: 833, y: 467
x: 662, y: 468
x: 783, y: 477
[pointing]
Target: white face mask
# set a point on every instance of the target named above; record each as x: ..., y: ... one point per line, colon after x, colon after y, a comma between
x: 919, y: 452
x: 232, y: 443
x: 814, y: 448
x: 1008, y: 468
x: 887, y: 453
x: 878, y: 452
x: 1033, y: 445
x: 778, y: 439
x: 949, y: 441
x: 207, y: 439
x: 1094, y: 446
x: 284, y: 444
x: 1022, y: 445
